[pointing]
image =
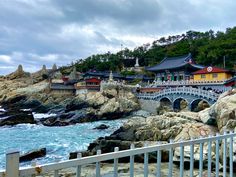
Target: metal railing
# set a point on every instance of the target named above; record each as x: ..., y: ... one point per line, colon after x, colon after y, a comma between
x: 224, y: 141
x: 180, y: 90
x: 187, y: 82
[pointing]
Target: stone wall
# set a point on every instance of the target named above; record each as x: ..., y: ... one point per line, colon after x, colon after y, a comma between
x: 149, y: 105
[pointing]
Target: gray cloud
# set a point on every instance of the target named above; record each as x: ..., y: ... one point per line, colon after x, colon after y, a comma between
x: 39, y: 32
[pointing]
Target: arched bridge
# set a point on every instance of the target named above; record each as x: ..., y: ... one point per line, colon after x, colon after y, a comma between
x: 174, y: 95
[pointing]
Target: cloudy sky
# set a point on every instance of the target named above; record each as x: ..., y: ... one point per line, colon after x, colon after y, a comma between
x: 37, y: 32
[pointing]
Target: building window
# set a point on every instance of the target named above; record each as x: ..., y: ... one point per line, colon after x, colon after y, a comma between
x: 214, y: 75
x: 203, y: 76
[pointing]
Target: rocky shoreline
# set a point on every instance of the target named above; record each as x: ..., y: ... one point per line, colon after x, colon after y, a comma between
x: 139, y: 130
x: 68, y: 110
x: 21, y: 99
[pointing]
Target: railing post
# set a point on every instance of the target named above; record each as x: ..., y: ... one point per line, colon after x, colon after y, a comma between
x: 78, y: 170
x: 231, y: 155
x: 170, y: 160
x: 146, y: 162
x: 181, y: 174
x: 98, y: 172
x: 131, y: 162
x: 217, y: 155
x: 116, y: 163
x: 201, y: 159
x: 209, y: 157
x: 12, y: 164
x: 224, y: 155
x: 56, y: 172
x: 191, y: 158
x: 158, y: 162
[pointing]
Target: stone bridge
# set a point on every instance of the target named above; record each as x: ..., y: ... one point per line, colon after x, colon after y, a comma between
x: 174, y: 96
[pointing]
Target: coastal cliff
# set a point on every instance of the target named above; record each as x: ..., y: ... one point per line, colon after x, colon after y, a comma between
x: 20, y: 96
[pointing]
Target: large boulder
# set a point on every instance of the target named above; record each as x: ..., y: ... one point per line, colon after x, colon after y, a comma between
x: 21, y: 117
x: 224, y: 111
x: 206, y: 117
x: 33, y: 155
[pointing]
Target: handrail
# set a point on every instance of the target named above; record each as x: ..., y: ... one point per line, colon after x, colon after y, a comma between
x: 185, y: 90
x: 186, y: 82
x: 42, y: 169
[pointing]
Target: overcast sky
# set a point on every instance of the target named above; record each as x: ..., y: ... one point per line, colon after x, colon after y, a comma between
x: 37, y: 32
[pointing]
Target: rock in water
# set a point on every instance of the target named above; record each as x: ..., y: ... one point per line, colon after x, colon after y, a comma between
x: 21, y: 117
x: 102, y: 127
x: 33, y: 155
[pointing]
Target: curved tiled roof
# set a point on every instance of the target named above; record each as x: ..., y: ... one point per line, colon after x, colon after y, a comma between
x: 174, y: 62
x: 211, y: 69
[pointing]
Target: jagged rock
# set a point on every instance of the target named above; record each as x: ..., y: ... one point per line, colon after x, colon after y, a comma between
x: 19, y: 73
x: 40, y: 75
x: 14, y: 118
x: 96, y: 99
x: 75, y: 104
x: 102, y: 127
x: 224, y: 111
x: 206, y: 118
x: 33, y: 155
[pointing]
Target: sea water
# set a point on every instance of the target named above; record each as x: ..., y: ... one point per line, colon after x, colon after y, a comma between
x: 59, y: 141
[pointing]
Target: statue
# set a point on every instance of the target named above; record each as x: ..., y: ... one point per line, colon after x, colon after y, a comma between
x: 54, y: 67
x: 136, y: 63
x: 44, y: 68
x: 73, y: 74
x: 20, y: 69
x: 111, y: 77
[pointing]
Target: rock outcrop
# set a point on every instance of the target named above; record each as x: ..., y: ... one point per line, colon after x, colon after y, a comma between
x: 18, y: 74
x: 222, y: 113
x: 177, y: 126
x: 33, y: 155
x: 108, y: 104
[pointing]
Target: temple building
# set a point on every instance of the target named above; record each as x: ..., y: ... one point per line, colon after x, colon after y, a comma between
x: 212, y: 74
x: 175, y: 68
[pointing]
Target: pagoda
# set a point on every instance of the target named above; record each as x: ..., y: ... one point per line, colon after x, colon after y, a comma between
x: 175, y: 68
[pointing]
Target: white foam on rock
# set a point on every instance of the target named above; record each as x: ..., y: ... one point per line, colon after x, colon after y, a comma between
x: 41, y: 115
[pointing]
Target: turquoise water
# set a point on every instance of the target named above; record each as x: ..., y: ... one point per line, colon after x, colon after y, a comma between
x: 59, y: 141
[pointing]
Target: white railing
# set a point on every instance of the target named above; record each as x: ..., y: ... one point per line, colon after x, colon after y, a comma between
x: 186, y: 82
x: 225, y: 142
x: 183, y: 90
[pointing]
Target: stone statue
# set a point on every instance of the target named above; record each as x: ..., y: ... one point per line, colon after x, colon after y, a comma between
x: 54, y: 67
x: 44, y: 68
x: 111, y: 77
x: 20, y: 69
x: 73, y: 74
x: 136, y: 63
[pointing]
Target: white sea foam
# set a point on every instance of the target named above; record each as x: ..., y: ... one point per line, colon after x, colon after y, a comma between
x: 2, y: 110
x: 40, y: 115
x: 59, y: 141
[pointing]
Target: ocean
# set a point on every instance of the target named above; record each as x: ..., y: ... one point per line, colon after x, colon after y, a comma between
x: 59, y: 141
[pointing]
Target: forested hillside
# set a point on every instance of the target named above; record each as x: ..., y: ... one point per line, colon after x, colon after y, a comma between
x: 207, y: 48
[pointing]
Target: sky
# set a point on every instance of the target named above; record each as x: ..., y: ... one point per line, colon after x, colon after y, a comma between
x: 37, y: 32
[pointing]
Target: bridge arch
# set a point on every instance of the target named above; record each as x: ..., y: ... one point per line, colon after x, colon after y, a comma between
x: 164, y: 105
x: 199, y: 104
x: 180, y: 103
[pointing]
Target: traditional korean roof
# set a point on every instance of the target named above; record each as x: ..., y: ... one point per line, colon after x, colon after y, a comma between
x: 58, y: 86
x: 103, y: 74
x: 211, y: 69
x: 94, y: 80
x: 174, y: 62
